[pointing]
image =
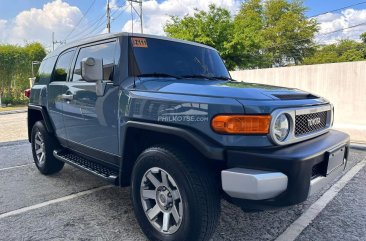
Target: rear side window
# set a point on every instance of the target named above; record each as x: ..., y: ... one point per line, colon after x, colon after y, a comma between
x: 103, y: 51
x: 63, y: 66
x: 45, y: 70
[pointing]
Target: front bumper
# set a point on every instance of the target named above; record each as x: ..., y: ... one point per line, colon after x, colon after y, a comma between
x: 283, y: 176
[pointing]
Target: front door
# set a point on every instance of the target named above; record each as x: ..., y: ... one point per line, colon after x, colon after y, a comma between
x: 91, y: 121
x: 56, y: 90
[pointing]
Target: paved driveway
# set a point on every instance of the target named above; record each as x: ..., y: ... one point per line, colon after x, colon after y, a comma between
x: 69, y: 205
x: 13, y: 127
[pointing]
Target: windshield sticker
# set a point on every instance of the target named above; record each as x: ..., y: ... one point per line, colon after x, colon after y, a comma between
x: 139, y: 42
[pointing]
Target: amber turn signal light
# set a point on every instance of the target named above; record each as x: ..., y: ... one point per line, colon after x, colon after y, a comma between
x: 241, y: 124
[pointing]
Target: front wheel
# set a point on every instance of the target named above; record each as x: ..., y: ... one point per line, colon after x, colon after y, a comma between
x: 175, y: 196
x: 43, y: 145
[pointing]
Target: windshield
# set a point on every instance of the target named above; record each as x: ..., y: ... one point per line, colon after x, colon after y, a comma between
x: 164, y: 58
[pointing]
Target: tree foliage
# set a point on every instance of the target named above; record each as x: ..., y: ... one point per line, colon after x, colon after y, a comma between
x: 289, y: 35
x: 262, y: 34
x: 213, y: 28
x: 342, y: 51
x: 248, y: 40
x: 363, y: 37
x: 15, y: 68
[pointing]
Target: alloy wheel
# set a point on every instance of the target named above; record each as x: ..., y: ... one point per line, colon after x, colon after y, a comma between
x: 161, y: 200
x: 40, y: 148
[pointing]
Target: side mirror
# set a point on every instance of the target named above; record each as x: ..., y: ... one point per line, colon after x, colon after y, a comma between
x: 92, y: 69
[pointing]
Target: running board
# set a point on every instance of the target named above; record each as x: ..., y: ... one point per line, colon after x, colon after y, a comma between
x: 84, y: 164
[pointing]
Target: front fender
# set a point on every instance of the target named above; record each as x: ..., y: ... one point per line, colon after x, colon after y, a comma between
x: 206, y: 147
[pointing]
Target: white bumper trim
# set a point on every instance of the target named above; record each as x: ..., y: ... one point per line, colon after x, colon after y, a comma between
x: 253, y: 184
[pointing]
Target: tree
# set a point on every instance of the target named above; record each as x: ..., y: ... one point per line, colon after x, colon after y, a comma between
x: 15, y: 68
x: 213, y: 28
x: 342, y: 51
x: 248, y: 39
x: 263, y: 33
x: 363, y: 37
x: 278, y: 29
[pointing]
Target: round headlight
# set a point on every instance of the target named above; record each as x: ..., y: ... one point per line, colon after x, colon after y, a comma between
x: 281, y: 127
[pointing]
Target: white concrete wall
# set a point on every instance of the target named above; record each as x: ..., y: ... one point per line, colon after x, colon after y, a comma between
x: 344, y: 84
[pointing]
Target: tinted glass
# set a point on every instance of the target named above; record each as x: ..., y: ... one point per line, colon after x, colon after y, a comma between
x: 151, y: 55
x: 103, y: 51
x: 63, y: 66
x: 45, y: 70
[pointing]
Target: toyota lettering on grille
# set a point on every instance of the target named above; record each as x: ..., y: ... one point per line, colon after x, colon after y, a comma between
x: 314, y: 121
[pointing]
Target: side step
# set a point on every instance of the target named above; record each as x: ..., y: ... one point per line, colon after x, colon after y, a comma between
x: 82, y: 163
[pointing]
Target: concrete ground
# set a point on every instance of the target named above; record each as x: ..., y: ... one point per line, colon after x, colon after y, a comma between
x: 13, y: 127
x: 344, y: 218
x: 56, y: 207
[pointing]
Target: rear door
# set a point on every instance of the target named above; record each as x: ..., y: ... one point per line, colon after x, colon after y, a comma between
x: 91, y: 120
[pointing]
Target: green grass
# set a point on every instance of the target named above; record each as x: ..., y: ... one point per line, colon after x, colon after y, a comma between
x: 15, y: 107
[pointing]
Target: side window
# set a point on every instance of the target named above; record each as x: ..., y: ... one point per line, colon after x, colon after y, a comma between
x: 63, y: 66
x: 45, y: 70
x: 103, y: 51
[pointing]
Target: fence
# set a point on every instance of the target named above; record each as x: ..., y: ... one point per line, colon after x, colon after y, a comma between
x: 344, y: 84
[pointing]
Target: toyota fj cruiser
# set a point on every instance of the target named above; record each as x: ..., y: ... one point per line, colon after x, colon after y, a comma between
x: 164, y: 116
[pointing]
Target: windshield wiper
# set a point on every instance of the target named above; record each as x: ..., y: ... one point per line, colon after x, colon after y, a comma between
x: 195, y: 76
x: 159, y: 75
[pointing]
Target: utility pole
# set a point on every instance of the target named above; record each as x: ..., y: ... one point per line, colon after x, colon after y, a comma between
x: 56, y: 42
x: 53, y: 41
x: 138, y: 13
x: 142, y: 28
x: 34, y: 63
x: 108, y: 17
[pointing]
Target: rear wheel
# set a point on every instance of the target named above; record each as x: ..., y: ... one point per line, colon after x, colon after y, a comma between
x: 43, y: 145
x: 175, y: 196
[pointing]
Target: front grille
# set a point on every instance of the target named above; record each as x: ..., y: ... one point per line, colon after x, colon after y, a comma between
x: 305, y: 125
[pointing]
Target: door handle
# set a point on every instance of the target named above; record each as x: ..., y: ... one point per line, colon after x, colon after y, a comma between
x: 67, y: 97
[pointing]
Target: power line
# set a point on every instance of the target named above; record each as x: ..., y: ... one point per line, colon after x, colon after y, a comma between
x: 123, y: 8
x: 327, y: 33
x: 254, y: 57
x: 346, y: 28
x: 96, y: 26
x: 81, y: 19
x: 104, y: 22
x: 90, y: 28
x: 86, y: 28
x: 338, y: 9
x: 97, y: 30
x: 353, y: 26
x: 323, y: 34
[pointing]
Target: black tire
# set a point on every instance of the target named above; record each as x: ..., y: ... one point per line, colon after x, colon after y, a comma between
x: 50, y: 164
x: 198, y: 187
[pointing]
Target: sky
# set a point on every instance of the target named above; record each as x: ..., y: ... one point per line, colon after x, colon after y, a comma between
x: 23, y: 21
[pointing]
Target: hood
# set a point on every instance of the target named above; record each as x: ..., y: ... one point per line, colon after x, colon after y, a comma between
x: 229, y: 89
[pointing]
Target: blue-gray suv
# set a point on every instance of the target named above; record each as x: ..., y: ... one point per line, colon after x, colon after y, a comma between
x: 164, y: 116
